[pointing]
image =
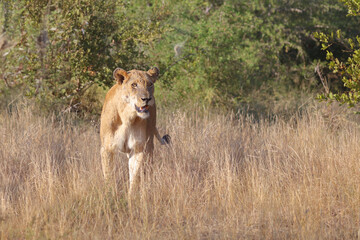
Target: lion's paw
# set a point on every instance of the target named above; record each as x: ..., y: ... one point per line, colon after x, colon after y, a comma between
x: 166, y: 139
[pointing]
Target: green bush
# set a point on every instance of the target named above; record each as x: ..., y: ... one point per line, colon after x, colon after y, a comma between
x: 349, y: 68
x: 233, y: 53
x: 218, y: 53
x: 65, y: 47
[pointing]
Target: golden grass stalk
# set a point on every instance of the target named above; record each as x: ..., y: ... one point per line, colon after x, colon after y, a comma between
x: 224, y: 177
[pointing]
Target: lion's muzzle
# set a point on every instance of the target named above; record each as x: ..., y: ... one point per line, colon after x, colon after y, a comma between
x: 143, y: 109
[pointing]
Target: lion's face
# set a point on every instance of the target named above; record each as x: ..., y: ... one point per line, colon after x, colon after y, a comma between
x: 138, y: 89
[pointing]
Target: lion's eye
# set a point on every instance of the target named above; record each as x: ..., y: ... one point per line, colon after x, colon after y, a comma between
x: 150, y: 84
x: 134, y: 85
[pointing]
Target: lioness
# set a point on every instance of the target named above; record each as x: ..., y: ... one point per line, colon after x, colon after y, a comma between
x: 128, y: 120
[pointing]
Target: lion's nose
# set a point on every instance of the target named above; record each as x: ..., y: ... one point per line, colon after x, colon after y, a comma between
x: 146, y: 99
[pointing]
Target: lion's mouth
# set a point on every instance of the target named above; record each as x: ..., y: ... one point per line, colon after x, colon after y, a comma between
x: 143, y: 109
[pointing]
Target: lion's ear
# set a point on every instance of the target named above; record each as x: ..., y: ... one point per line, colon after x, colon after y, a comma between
x: 154, y: 73
x: 120, y: 75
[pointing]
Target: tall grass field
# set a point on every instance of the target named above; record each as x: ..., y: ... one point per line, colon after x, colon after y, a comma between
x: 224, y: 177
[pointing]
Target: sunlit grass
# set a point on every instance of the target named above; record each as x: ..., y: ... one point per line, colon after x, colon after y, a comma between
x: 225, y: 177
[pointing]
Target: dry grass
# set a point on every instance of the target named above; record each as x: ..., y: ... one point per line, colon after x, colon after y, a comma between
x: 223, y: 178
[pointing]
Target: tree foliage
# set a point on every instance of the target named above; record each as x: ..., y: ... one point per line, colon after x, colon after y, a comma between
x: 64, y: 47
x: 220, y: 53
x: 348, y: 68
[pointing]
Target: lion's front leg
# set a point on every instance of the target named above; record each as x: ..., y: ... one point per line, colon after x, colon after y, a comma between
x: 120, y: 138
x: 107, y: 156
x: 135, y: 163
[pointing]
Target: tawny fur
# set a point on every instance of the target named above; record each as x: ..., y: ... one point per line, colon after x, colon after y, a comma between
x: 128, y: 120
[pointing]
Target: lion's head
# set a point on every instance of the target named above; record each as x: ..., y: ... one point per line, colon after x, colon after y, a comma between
x: 138, y: 88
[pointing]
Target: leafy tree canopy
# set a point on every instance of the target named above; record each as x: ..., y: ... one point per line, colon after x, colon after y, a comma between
x: 220, y: 53
x: 349, y: 67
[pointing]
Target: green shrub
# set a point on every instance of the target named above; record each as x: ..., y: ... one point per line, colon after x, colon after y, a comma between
x: 233, y: 53
x: 218, y: 53
x: 349, y: 68
x: 65, y: 47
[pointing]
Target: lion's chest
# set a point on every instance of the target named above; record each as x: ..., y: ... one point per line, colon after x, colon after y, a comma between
x: 128, y: 137
x: 136, y: 137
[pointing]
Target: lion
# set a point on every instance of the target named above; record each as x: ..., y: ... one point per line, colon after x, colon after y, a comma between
x: 128, y: 120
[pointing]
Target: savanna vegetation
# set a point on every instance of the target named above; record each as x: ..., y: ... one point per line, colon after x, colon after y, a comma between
x: 254, y: 155
x: 256, y: 55
x: 224, y: 177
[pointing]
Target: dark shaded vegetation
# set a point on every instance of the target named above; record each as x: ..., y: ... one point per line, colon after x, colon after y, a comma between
x: 256, y: 56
